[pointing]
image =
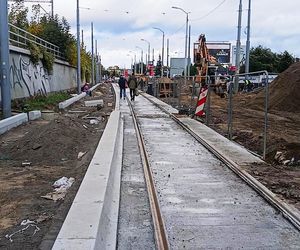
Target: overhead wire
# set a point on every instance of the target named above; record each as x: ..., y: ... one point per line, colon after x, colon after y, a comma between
x: 210, y: 12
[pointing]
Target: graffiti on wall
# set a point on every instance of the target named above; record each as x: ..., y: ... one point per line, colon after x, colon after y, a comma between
x: 28, y: 79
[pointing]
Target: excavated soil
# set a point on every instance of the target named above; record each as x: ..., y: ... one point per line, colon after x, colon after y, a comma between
x: 281, y: 174
x: 34, y: 156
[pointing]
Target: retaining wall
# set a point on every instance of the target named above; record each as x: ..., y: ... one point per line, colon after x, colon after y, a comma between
x: 27, y: 79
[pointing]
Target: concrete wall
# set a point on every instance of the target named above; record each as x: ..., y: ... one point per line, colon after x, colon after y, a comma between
x: 27, y: 79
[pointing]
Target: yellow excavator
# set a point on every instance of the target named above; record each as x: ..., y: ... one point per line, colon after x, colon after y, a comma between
x: 203, y: 60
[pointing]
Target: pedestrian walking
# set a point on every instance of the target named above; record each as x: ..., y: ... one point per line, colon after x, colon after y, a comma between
x: 132, y: 83
x: 122, y: 84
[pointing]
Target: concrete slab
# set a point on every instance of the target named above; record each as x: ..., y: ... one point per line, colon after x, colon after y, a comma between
x: 94, y: 103
x: 67, y: 103
x: 11, y: 122
x: 34, y: 115
x: 229, y: 149
x: 168, y: 108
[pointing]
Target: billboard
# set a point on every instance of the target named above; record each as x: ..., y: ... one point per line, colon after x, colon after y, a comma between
x: 220, y: 50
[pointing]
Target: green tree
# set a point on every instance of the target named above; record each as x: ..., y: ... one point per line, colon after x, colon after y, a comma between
x: 18, y: 14
x: 284, y: 61
x: 262, y: 59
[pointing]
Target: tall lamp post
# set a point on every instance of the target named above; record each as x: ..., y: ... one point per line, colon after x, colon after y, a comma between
x: 4, y: 61
x: 78, y: 51
x: 141, y: 65
x: 162, y: 50
x: 186, y: 39
x: 248, y: 40
x: 148, y: 60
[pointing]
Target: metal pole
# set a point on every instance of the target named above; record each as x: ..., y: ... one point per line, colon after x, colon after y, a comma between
x: 135, y: 64
x: 100, y: 69
x: 82, y: 37
x: 189, y: 52
x: 78, y: 51
x: 93, y: 65
x: 162, y: 56
x: 168, y: 57
x: 208, y: 101
x: 52, y: 9
x: 97, y: 66
x: 266, y: 116
x: 148, y: 53
x: 4, y: 61
x: 152, y: 56
x: 238, y: 48
x: 141, y: 69
x: 229, y: 124
x: 248, y: 40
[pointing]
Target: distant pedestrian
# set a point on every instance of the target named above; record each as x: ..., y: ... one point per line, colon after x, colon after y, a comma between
x: 122, y: 85
x: 86, y: 88
x: 132, y: 83
x: 142, y: 84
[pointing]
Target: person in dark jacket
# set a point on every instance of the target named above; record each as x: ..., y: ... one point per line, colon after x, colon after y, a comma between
x: 122, y: 85
x: 132, y: 83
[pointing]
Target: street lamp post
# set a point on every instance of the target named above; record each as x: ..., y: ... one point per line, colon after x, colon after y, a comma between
x: 186, y: 39
x: 4, y: 60
x: 238, y: 49
x: 78, y: 50
x: 248, y: 39
x: 141, y: 65
x: 148, y: 60
x: 162, y: 50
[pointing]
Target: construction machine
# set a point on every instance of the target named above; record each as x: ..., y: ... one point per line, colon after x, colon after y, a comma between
x: 203, y: 60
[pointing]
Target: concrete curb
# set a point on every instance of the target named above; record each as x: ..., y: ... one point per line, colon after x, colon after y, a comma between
x: 12, y: 122
x: 93, y: 217
x: 67, y: 103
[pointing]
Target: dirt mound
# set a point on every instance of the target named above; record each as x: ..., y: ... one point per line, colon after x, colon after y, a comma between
x: 284, y: 91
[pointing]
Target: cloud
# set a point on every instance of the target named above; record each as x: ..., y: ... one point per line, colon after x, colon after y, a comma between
x: 119, y: 25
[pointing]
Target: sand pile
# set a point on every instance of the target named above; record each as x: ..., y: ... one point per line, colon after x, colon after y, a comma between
x: 284, y: 91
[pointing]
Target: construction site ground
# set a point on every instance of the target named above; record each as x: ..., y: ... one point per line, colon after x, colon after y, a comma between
x: 35, y: 155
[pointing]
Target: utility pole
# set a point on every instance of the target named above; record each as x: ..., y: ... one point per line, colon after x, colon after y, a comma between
x: 100, y: 69
x: 78, y: 51
x: 93, y: 61
x: 238, y: 49
x: 248, y: 41
x: 52, y: 9
x: 189, y: 53
x: 4, y: 60
x: 168, y: 57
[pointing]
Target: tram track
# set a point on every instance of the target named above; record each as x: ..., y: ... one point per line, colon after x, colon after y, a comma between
x: 290, y: 213
x: 160, y: 234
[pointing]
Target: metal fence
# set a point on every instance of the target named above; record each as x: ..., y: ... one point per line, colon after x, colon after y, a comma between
x: 21, y: 38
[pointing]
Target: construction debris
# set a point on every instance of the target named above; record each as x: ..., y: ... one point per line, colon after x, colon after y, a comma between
x: 61, y: 187
x: 27, y: 223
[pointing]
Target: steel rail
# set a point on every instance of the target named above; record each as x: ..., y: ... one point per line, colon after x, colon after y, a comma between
x: 160, y: 234
x: 289, y: 212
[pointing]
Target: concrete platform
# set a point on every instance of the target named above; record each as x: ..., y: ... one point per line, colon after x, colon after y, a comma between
x: 12, y: 122
x: 92, y: 219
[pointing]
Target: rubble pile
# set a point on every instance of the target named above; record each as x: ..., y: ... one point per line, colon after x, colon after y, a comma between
x: 284, y: 91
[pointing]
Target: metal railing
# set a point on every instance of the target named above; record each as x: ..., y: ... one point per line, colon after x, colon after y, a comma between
x: 22, y: 38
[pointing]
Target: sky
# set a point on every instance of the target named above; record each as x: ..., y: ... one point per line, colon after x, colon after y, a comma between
x: 120, y: 25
